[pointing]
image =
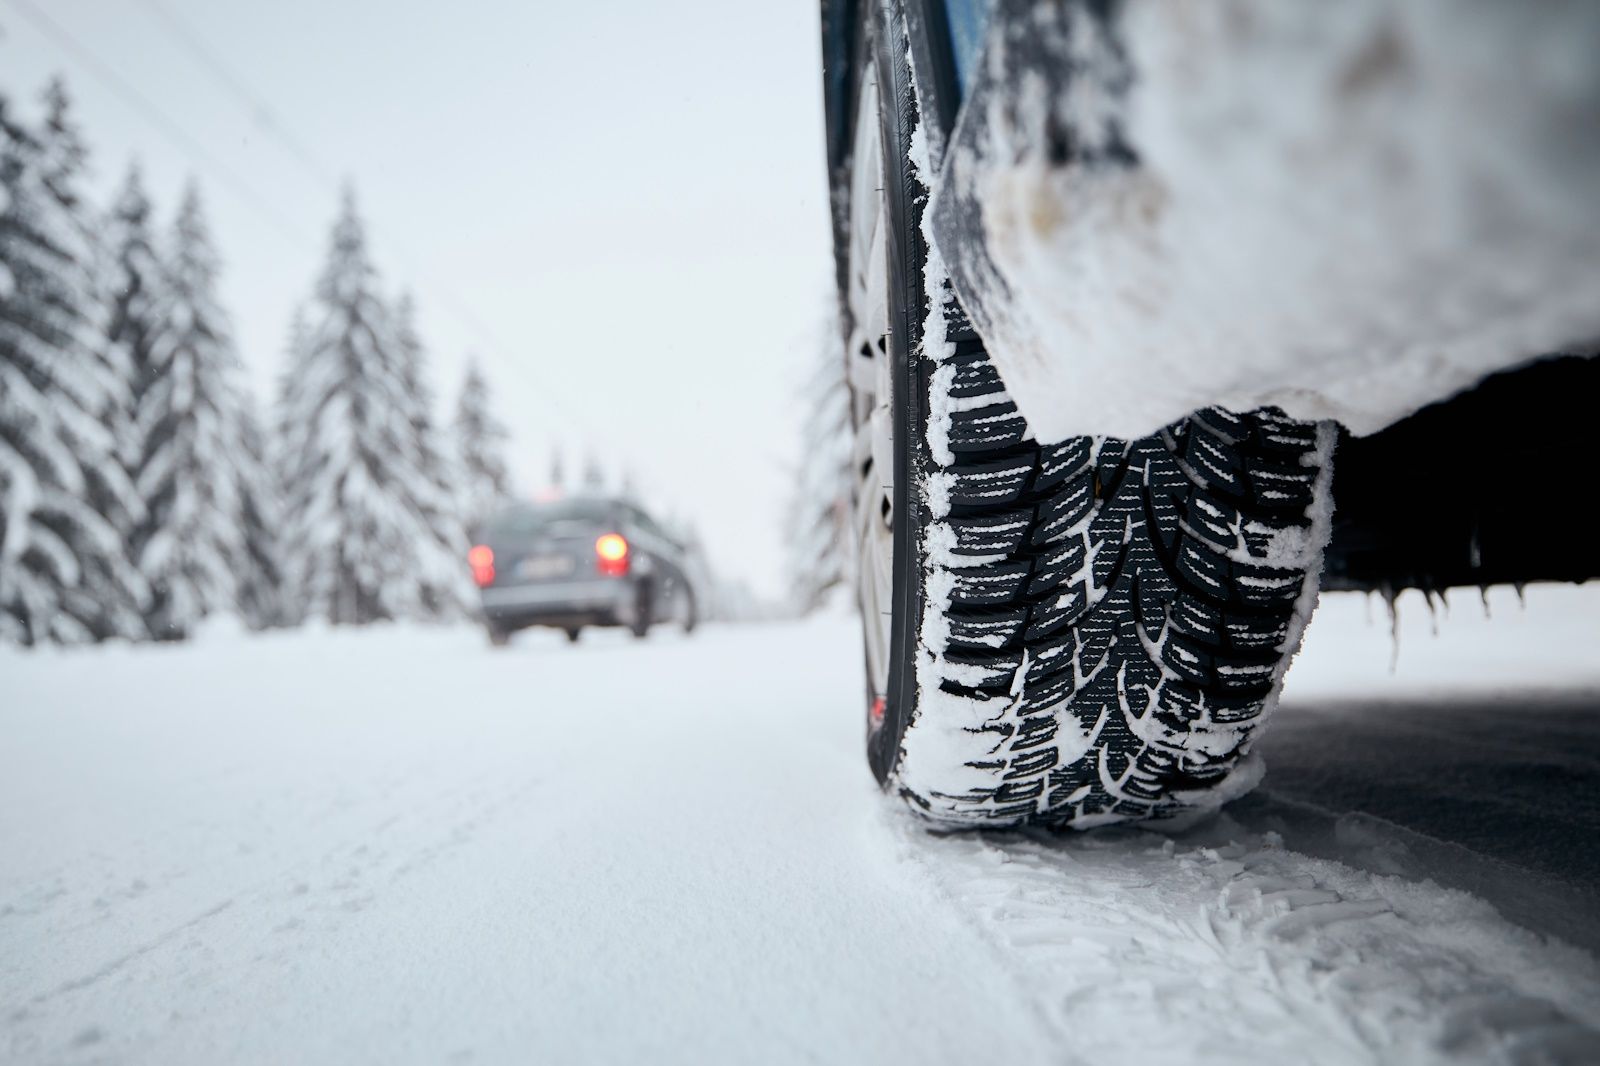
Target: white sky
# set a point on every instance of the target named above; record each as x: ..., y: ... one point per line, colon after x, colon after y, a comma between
x: 626, y: 201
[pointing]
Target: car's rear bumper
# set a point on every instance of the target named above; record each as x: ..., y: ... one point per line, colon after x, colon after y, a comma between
x: 598, y: 601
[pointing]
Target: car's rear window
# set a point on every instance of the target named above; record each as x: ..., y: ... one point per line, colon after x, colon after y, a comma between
x: 547, y: 518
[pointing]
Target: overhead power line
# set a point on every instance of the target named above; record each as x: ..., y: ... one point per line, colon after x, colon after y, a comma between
x: 316, y: 168
x: 264, y: 116
x: 266, y: 119
x: 175, y: 133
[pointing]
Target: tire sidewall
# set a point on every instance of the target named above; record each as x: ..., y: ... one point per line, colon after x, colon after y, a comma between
x: 907, y: 254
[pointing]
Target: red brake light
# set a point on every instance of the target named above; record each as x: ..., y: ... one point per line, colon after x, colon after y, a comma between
x: 481, y: 559
x: 611, y: 554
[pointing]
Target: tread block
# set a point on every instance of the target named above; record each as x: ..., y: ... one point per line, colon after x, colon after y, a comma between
x: 984, y: 671
x: 991, y: 534
x: 975, y: 376
x: 988, y: 485
x: 1059, y: 462
x: 989, y: 428
x: 1065, y: 509
x: 986, y: 629
x: 996, y: 583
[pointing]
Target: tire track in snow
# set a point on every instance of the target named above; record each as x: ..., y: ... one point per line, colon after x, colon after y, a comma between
x: 1221, y: 945
x: 117, y: 964
x: 275, y: 912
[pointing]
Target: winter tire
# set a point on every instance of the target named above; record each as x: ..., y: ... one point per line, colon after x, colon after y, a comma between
x: 574, y: 634
x: 498, y: 637
x: 691, y: 612
x: 644, y: 606
x: 1069, y: 634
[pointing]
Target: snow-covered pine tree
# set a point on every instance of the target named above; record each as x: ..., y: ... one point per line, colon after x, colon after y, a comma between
x: 260, y: 575
x: 110, y: 488
x: 64, y: 574
x: 431, y: 494
x: 594, y: 476
x: 187, y: 438
x: 133, y: 285
x: 819, y: 544
x: 293, y: 418
x: 707, y: 607
x: 480, y: 445
x: 357, y: 548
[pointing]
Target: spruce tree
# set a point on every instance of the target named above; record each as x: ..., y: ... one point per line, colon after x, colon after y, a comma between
x: 187, y: 439
x: 64, y: 575
x: 480, y: 443
x: 110, y: 488
x: 594, y: 477
x: 358, y: 545
x: 260, y: 573
x: 819, y: 507
x: 430, y: 493
x: 293, y: 421
x: 133, y: 281
x: 62, y: 155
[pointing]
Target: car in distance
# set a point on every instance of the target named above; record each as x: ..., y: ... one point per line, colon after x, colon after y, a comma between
x: 580, y: 561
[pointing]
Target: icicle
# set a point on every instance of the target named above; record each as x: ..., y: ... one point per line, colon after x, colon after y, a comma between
x: 1392, y: 598
x: 1433, y: 611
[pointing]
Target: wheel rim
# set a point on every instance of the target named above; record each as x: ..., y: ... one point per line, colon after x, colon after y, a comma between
x: 871, y: 393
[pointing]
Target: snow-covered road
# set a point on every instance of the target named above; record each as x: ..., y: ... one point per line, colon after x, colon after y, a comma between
x: 398, y: 845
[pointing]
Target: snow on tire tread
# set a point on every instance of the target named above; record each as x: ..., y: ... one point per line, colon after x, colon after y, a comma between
x: 1106, y: 622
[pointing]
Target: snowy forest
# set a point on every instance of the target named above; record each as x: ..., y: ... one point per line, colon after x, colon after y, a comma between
x: 818, y: 518
x: 142, y: 487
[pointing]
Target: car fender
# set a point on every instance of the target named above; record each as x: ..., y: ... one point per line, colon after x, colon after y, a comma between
x: 1344, y: 210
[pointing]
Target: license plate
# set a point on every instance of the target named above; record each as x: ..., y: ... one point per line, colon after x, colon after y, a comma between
x: 542, y: 566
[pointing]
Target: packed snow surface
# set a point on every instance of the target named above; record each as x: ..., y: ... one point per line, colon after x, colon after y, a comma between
x: 399, y: 845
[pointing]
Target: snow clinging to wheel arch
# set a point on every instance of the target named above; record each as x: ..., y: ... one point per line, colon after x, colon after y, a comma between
x: 1347, y: 211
